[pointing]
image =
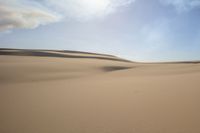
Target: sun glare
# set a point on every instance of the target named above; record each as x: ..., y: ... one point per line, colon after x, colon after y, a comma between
x: 96, y: 6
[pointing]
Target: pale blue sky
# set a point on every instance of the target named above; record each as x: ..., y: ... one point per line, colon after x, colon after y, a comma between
x: 140, y: 30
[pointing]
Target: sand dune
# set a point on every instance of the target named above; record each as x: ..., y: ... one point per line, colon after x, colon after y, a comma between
x: 46, y: 91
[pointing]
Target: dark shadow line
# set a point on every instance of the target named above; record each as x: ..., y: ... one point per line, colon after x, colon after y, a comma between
x: 45, y: 54
x: 79, y: 52
x: 61, y: 51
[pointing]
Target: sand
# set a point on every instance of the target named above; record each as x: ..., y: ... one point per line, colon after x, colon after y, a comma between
x: 43, y: 92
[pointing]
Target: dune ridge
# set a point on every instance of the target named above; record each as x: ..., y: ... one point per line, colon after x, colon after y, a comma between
x: 60, y: 54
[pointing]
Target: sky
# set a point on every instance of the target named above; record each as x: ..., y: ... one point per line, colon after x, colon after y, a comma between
x: 138, y: 30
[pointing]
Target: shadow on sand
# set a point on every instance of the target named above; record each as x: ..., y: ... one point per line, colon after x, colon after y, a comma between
x: 115, y: 68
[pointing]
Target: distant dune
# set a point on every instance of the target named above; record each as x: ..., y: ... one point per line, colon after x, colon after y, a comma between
x: 49, y: 91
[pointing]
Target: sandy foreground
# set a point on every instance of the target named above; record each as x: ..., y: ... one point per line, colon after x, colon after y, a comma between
x: 75, y: 92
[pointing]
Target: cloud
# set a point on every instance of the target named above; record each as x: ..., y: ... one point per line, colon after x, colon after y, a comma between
x: 182, y: 5
x: 14, y: 15
x: 28, y: 14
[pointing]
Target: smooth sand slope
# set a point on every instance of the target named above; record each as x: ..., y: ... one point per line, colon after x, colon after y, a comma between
x: 44, y: 91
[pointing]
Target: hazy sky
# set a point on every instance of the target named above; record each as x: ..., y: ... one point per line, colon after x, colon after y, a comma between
x: 141, y: 30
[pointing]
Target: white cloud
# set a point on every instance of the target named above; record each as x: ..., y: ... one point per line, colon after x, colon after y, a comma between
x: 15, y: 15
x: 182, y: 5
x: 32, y: 13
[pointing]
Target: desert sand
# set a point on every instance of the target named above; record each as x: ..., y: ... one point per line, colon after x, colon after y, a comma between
x: 44, y: 91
